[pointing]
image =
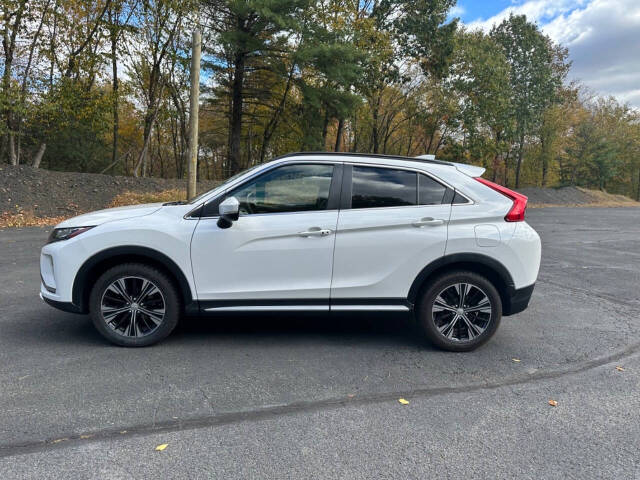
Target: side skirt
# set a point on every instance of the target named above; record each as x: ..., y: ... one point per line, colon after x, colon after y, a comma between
x: 307, y: 305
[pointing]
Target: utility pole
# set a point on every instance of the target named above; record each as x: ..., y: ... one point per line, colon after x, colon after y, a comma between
x: 192, y: 167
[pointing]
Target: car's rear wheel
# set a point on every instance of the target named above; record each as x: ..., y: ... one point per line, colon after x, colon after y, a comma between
x: 459, y: 311
x: 134, y: 305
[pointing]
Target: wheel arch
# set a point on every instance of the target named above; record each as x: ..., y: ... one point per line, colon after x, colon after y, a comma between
x: 484, y: 265
x: 92, y: 268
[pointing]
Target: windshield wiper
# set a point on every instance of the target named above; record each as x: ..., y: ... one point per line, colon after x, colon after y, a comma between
x: 178, y: 202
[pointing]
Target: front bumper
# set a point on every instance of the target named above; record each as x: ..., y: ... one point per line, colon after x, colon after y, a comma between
x: 517, y: 300
x: 64, y: 306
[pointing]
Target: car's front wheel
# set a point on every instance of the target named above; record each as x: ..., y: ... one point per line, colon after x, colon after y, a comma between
x: 134, y: 305
x: 460, y: 311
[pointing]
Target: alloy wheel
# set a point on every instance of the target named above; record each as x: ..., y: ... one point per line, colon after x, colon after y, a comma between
x: 462, y: 312
x: 132, y: 306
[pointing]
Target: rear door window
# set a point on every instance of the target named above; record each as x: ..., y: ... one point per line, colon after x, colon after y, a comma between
x: 383, y: 187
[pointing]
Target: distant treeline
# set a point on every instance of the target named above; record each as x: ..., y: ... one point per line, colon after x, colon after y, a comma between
x: 103, y: 86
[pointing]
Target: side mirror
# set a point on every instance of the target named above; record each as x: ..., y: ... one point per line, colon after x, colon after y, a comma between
x: 229, y: 212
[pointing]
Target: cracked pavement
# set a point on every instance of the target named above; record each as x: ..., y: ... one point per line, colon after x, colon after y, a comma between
x: 312, y: 396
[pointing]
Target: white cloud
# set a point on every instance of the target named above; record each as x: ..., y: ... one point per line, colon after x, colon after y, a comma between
x: 457, y: 11
x: 535, y: 10
x: 603, y: 37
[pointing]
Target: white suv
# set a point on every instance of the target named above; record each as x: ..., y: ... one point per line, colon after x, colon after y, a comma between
x: 307, y: 231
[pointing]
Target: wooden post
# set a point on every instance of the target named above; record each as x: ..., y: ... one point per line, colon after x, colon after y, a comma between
x: 192, y: 166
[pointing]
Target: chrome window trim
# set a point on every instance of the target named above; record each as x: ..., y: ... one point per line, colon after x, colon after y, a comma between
x: 337, y: 161
x: 416, y: 170
x: 256, y: 174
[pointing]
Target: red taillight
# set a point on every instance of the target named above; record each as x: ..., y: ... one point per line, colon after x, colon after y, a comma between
x: 516, y: 214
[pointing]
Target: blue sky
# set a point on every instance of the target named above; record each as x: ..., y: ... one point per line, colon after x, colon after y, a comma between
x: 603, y: 37
x: 470, y: 10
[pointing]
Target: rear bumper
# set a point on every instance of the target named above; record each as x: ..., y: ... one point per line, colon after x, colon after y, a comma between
x: 517, y: 300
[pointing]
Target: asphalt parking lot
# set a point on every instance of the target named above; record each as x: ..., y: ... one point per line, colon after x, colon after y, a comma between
x: 317, y: 396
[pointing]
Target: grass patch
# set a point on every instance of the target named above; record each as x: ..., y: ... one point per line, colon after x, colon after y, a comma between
x: 136, y: 198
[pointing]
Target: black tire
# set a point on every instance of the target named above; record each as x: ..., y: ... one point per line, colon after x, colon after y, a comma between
x: 458, y: 335
x: 151, y: 324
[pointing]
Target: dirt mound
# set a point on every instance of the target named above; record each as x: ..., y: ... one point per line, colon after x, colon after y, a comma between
x: 574, y: 197
x: 52, y: 194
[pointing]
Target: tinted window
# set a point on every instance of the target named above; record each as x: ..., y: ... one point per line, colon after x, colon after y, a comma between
x: 430, y: 192
x: 383, y: 187
x: 292, y: 188
x: 459, y: 199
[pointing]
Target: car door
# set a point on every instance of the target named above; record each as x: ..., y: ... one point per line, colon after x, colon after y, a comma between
x: 280, y: 250
x: 392, y: 224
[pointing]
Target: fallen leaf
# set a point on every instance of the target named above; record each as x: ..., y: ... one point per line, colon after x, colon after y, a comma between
x: 403, y: 401
x: 517, y: 360
x: 160, y: 448
x: 620, y: 369
x: 553, y: 403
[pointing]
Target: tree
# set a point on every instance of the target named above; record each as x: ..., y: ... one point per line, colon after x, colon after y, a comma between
x: 119, y: 15
x: 13, y: 16
x: 537, y: 71
x: 159, y: 24
x: 412, y: 30
x: 480, y: 73
x: 246, y: 31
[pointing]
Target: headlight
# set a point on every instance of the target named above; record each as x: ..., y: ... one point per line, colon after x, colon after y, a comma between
x: 66, y: 233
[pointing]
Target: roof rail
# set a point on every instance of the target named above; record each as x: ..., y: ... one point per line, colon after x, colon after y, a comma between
x: 368, y: 155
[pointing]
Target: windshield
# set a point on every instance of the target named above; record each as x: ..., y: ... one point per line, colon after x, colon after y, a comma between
x: 227, y: 181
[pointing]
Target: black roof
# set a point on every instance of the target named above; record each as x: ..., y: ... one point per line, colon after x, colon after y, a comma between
x: 368, y: 155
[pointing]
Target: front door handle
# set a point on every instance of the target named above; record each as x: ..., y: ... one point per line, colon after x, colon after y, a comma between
x: 428, y: 222
x: 316, y: 232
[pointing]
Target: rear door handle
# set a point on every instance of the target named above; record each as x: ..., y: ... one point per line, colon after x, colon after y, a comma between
x: 428, y: 222
x: 316, y: 232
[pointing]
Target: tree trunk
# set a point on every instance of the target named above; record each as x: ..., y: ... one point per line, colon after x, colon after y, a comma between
x: 8, y: 45
x: 410, y: 142
x: 519, y: 163
x: 339, y: 135
x: 374, y: 130
x: 325, y: 128
x: 545, y: 163
x: 142, y: 158
x: 354, y: 129
x: 116, y: 87
x: 506, y: 169
x: 13, y: 157
x: 3, y: 146
x: 38, y: 158
x: 273, y: 122
x: 17, y: 121
x: 235, y: 124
